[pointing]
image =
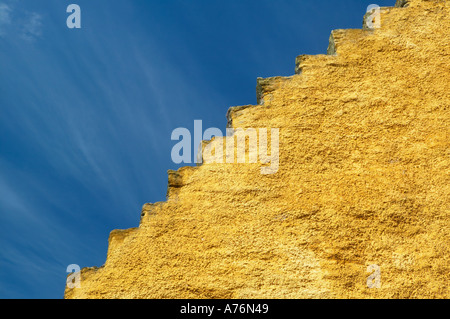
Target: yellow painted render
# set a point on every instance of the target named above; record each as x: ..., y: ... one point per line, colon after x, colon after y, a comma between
x: 363, y: 179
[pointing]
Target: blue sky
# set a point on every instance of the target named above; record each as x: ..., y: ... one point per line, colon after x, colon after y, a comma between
x: 86, y: 115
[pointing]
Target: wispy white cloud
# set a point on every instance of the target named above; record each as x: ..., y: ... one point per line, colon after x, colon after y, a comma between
x: 5, y: 11
x: 32, y: 27
x: 19, y: 23
x: 5, y: 17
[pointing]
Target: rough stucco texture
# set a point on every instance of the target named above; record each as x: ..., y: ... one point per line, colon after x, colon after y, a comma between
x: 363, y: 179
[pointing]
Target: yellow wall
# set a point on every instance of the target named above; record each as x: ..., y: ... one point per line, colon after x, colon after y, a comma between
x: 363, y: 179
